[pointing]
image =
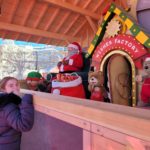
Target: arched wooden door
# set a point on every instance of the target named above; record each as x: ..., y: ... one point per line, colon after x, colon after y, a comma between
x: 119, y: 79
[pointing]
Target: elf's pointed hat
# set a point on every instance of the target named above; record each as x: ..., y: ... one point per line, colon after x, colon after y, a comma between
x: 76, y: 46
x: 34, y: 76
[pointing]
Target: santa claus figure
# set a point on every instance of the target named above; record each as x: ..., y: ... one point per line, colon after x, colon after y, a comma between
x: 145, y: 78
x: 73, y: 61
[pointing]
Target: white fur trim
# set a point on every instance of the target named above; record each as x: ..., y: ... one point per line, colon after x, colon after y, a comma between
x: 73, y: 46
x: 56, y: 92
x: 147, y: 59
x: 70, y: 61
x: 73, y: 83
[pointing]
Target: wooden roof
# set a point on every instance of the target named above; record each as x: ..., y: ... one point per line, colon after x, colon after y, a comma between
x: 55, y: 22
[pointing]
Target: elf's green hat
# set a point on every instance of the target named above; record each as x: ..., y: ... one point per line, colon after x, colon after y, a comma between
x: 36, y: 76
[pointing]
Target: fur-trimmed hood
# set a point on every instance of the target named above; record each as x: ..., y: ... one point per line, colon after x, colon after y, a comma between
x: 9, y: 98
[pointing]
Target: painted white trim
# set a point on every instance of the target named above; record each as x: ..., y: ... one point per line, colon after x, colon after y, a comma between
x: 73, y: 83
x: 70, y: 61
x: 147, y: 59
x: 56, y: 92
x: 73, y: 46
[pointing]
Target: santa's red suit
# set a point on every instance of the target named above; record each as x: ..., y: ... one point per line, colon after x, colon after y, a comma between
x: 73, y: 62
x: 145, y: 92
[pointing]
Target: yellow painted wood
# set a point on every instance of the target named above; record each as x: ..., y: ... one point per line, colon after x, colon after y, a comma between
x: 129, y: 23
x: 107, y: 15
x: 141, y: 37
x: 117, y: 11
x: 99, y: 31
x: 91, y: 48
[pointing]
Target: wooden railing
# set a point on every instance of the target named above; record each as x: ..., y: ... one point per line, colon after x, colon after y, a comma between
x: 105, y: 126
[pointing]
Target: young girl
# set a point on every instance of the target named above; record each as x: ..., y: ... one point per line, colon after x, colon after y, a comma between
x: 16, y: 114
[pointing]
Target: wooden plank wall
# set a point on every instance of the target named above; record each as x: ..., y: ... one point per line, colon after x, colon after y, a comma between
x: 104, y: 126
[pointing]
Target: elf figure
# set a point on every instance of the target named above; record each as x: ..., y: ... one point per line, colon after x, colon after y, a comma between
x: 73, y: 61
x: 34, y: 79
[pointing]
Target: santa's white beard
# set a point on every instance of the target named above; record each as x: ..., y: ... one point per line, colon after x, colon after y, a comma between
x: 72, y: 52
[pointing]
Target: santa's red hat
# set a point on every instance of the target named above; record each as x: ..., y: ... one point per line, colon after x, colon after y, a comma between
x: 76, y: 46
x: 147, y: 58
x: 139, y: 62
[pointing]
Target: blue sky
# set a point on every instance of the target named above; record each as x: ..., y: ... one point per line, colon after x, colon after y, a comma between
x: 34, y: 45
x: 29, y: 43
x: 21, y: 43
x: 1, y: 42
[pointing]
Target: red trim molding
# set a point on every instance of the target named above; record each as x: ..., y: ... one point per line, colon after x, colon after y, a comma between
x: 121, y: 42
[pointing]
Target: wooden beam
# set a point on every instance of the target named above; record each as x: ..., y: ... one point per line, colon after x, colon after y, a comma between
x: 98, y: 5
x: 71, y: 24
x: 37, y: 32
x: 52, y: 19
x: 73, y: 8
x: 62, y: 22
x: 27, y: 14
x: 14, y: 6
x: 87, y: 3
x: 75, y: 19
x: 39, y: 19
x: 14, y: 9
x: 95, y: 8
x: 50, y: 22
x: 75, y: 3
x: 87, y: 140
x: 80, y: 27
x: 92, y: 24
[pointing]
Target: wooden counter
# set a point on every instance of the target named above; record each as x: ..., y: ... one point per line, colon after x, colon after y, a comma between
x: 105, y: 126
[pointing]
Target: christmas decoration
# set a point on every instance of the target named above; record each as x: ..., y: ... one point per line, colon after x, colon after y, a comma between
x: 145, y: 79
x: 68, y: 85
x: 113, y: 28
x: 96, y: 81
x: 128, y: 24
x: 73, y: 61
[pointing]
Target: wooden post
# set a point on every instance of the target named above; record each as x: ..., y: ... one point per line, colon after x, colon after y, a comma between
x: 87, y: 143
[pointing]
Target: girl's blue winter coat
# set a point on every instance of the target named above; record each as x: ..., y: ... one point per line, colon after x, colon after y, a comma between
x: 16, y: 116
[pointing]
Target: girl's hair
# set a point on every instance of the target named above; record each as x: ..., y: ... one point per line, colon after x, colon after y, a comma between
x: 4, y: 81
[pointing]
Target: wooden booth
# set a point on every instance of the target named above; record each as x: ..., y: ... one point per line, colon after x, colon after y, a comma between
x: 67, y: 123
